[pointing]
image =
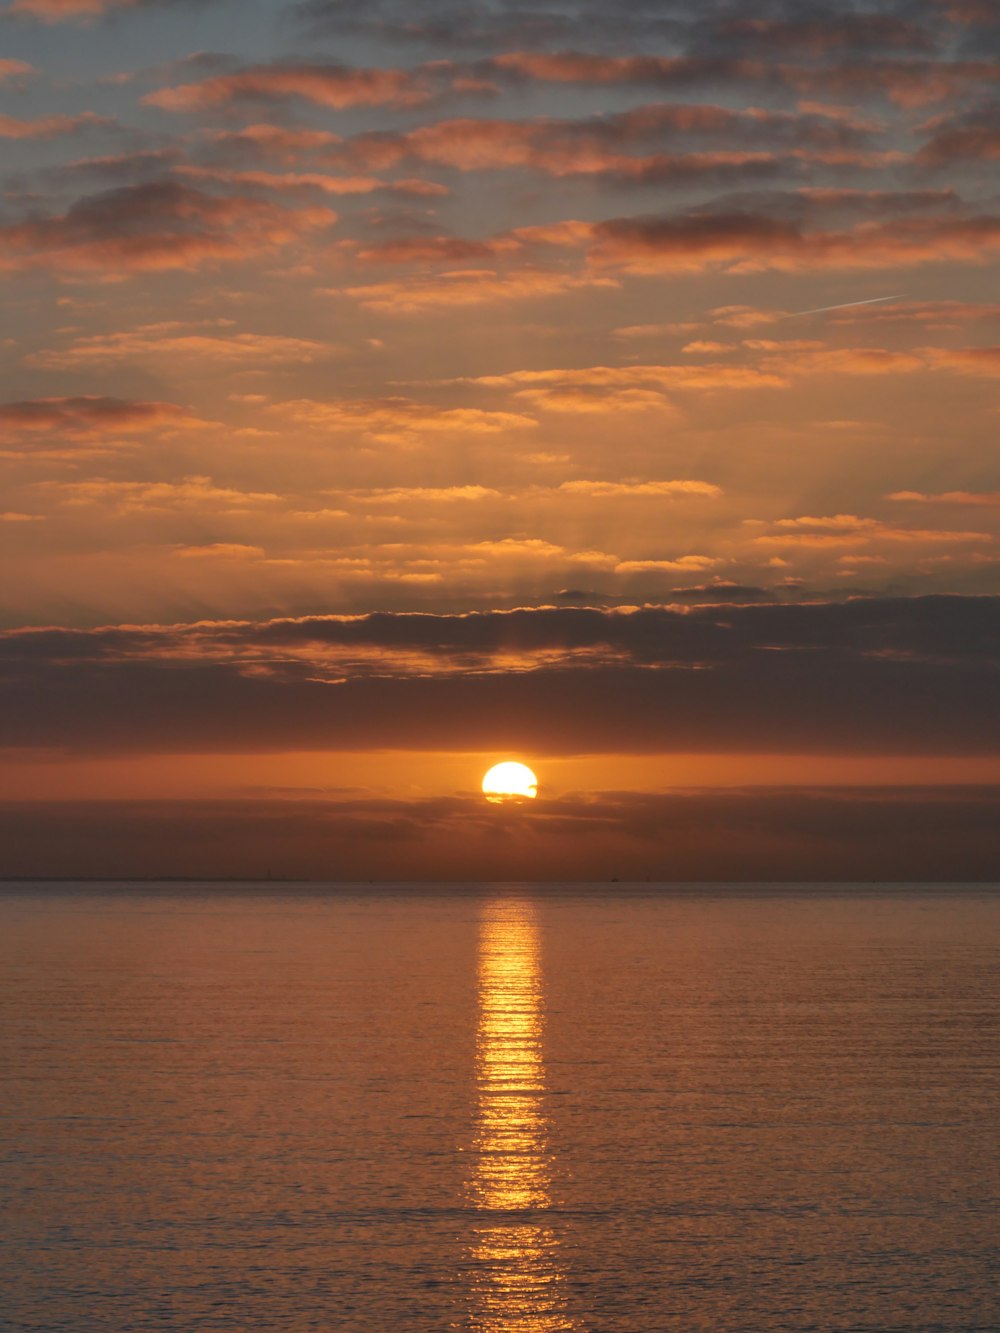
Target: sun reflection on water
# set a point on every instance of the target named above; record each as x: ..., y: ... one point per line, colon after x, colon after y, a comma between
x: 517, y: 1282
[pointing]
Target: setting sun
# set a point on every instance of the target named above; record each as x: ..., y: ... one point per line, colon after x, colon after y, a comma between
x: 509, y: 781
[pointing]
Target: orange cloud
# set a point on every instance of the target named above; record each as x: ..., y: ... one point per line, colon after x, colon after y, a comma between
x: 468, y: 287
x: 737, y: 242
x: 597, y: 389
x: 15, y: 69
x: 284, y: 181
x: 220, y: 551
x: 838, y: 530
x: 62, y: 11
x: 670, y: 489
x: 583, y: 400
x: 328, y: 85
x: 744, y: 316
x: 977, y: 145
x: 423, y: 495
x: 170, y: 342
x: 683, y: 564
x: 50, y: 127
x: 930, y: 314
x: 908, y: 83
x: 154, y: 227
x: 597, y: 146
x: 976, y: 499
x: 962, y: 136
x: 534, y: 549
x: 278, y: 141
x: 753, y: 242
x: 88, y: 417
x: 199, y: 493
x: 655, y: 71
x: 289, y: 181
x: 807, y: 359
x: 710, y: 376
x: 979, y: 361
x: 399, y: 420
x: 437, y: 250
x: 552, y: 147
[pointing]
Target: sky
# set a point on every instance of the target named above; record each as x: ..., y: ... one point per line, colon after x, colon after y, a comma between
x: 389, y: 389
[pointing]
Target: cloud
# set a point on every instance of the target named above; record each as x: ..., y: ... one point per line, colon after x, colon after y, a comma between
x: 15, y: 71
x: 865, y: 676
x: 830, y: 531
x: 152, y: 227
x: 929, y: 314
x: 191, y: 493
x: 263, y: 140
x: 112, y: 168
x: 982, y: 362
x: 172, y: 342
x: 966, y: 136
x: 669, y: 489
x: 685, y: 564
x: 288, y: 182
x: 813, y: 31
x: 39, y: 425
x: 630, y: 378
x: 871, y: 835
x: 220, y: 551
x: 328, y: 85
x: 473, y: 24
x: 809, y: 359
x: 746, y: 242
x: 421, y: 495
x: 975, y: 499
x: 51, y: 127
x: 85, y: 11
x: 738, y: 241
x: 438, y: 250
x: 606, y: 145
x: 399, y: 420
x: 906, y: 82
x: 724, y: 591
x: 471, y: 287
x: 597, y: 389
x: 863, y: 33
x: 583, y: 400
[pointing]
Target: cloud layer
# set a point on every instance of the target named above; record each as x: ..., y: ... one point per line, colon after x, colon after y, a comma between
x: 737, y: 836
x: 915, y: 676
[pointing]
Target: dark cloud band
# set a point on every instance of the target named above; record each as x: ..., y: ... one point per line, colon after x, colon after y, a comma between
x: 916, y: 676
x: 762, y: 835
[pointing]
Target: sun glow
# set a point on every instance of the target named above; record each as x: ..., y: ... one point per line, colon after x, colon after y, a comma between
x: 510, y: 781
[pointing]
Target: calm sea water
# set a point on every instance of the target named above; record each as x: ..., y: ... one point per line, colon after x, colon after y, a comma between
x: 499, y: 1109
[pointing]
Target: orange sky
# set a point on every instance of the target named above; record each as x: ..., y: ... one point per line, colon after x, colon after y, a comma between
x: 331, y: 338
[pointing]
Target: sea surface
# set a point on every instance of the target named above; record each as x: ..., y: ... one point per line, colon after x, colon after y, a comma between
x: 612, y: 1109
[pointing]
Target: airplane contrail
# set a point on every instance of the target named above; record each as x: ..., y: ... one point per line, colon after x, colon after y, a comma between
x: 821, y: 310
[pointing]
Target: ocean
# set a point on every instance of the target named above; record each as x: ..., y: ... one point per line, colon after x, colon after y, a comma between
x: 501, y: 1108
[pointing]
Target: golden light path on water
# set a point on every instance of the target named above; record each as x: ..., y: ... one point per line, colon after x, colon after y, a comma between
x: 517, y: 1282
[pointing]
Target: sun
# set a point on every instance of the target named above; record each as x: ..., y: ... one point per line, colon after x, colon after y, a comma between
x: 510, y: 781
